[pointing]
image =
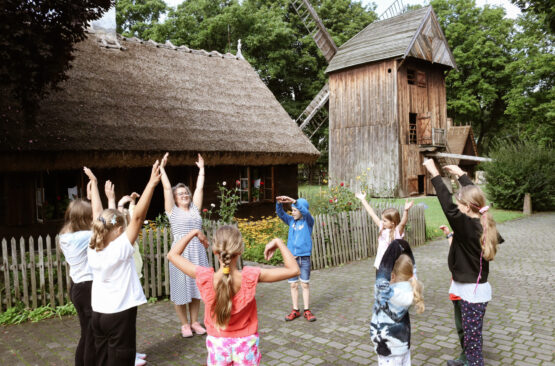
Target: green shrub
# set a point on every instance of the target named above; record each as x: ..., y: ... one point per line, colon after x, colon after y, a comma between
x: 518, y: 168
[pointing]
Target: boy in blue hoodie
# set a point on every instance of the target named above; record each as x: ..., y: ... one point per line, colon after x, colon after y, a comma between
x: 299, y: 242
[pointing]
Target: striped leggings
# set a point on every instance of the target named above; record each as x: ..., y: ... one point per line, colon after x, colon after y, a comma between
x: 472, y: 321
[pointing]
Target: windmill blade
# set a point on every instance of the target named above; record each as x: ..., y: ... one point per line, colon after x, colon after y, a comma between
x: 315, y: 28
x: 317, y: 103
x: 394, y: 9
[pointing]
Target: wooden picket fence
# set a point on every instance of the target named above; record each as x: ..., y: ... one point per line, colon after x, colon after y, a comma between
x: 349, y: 236
x: 34, y: 271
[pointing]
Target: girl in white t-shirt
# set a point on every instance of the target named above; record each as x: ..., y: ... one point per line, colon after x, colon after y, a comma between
x: 391, y: 225
x: 116, y: 289
x: 74, y: 241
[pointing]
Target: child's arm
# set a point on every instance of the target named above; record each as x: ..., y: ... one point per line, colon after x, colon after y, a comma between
x: 281, y: 213
x: 198, y: 195
x: 405, y: 219
x: 132, y: 204
x: 375, y: 218
x: 448, y: 234
x: 96, y: 203
x: 122, y: 202
x: 110, y: 192
x: 168, y: 194
x: 451, y: 211
x: 139, y: 214
x: 182, y: 263
x: 291, y: 268
x: 461, y: 175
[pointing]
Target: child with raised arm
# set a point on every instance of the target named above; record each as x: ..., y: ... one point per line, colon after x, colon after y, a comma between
x: 74, y: 240
x: 230, y: 313
x: 391, y: 225
x: 473, y: 246
x: 116, y: 289
x: 299, y: 242
x: 396, y: 290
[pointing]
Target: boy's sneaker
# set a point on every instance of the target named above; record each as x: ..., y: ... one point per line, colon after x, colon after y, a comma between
x: 295, y: 313
x: 309, y: 316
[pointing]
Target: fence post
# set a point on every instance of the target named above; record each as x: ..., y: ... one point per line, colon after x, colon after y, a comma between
x: 33, y: 266
x: 6, y: 273
x: 15, y: 269
x: 60, y: 274
x: 42, y: 281
x: 52, y: 299
x: 24, y: 272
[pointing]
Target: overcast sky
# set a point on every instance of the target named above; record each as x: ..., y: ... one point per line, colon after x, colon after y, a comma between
x: 512, y: 11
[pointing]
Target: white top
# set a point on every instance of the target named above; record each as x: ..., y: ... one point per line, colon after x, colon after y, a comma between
x: 74, y: 246
x: 469, y: 292
x: 383, y: 243
x: 116, y: 286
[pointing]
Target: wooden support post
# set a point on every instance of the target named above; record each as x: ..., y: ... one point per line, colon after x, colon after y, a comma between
x: 527, y: 207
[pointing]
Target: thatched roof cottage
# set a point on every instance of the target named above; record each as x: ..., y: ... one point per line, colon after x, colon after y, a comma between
x: 121, y: 109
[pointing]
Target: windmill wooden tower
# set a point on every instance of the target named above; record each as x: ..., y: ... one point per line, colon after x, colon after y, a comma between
x: 386, y: 97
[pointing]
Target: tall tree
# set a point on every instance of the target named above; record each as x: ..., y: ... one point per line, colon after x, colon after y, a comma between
x: 36, y: 42
x: 531, y: 98
x: 134, y: 17
x: 480, y: 39
x: 544, y: 9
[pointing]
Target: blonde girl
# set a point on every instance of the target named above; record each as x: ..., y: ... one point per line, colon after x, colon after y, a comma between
x: 230, y: 313
x: 74, y: 240
x: 396, y: 291
x: 391, y: 225
x: 116, y: 289
x: 473, y: 246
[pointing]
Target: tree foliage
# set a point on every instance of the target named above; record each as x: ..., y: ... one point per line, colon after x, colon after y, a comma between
x: 521, y: 167
x: 134, y: 17
x: 36, y: 42
x: 544, y: 9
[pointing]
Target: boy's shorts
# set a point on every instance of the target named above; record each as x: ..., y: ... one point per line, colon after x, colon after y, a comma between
x: 304, y: 265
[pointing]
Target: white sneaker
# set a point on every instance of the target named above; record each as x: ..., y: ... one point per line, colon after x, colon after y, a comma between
x: 142, y: 356
x: 139, y: 362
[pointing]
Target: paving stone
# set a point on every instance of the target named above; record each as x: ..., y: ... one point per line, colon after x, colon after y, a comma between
x: 518, y: 325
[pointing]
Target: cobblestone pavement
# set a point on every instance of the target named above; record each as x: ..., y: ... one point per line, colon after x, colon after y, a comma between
x: 518, y: 327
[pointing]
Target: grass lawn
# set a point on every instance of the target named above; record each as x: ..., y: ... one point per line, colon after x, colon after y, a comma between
x: 318, y: 196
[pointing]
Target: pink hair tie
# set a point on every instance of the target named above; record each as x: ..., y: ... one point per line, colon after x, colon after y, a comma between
x: 484, y: 209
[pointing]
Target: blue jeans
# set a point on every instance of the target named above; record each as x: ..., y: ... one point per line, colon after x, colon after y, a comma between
x: 304, y: 265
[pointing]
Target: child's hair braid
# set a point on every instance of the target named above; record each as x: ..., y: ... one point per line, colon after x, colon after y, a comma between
x: 228, y: 244
x: 108, y: 220
x: 404, y: 271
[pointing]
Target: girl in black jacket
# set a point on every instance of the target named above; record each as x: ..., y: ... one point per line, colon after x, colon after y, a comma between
x: 474, y: 246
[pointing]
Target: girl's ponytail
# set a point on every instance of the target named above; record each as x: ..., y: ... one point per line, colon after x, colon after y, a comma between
x: 228, y: 244
x: 102, y: 225
x: 489, y: 238
x: 417, y: 290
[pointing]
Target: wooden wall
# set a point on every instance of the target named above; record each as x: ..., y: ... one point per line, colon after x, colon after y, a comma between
x: 17, y: 192
x: 363, y: 126
x: 429, y: 100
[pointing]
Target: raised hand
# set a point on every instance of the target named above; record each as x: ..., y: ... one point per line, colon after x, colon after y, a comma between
x: 408, y: 204
x: 431, y: 167
x: 361, y: 196
x: 445, y: 229
x: 454, y: 169
x: 109, y: 190
x: 203, y: 240
x: 270, y: 249
x: 134, y: 196
x: 89, y: 174
x: 200, y: 162
x: 164, y: 160
x: 155, y: 174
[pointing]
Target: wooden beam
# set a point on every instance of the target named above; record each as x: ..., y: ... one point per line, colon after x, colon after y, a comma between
x: 458, y: 156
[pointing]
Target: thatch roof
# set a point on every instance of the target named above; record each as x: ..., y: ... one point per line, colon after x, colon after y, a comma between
x: 412, y: 34
x: 122, y: 107
x: 460, y: 140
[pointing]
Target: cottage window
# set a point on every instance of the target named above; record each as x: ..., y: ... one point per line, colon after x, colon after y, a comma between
x: 411, y: 76
x: 412, y: 128
x: 256, y: 184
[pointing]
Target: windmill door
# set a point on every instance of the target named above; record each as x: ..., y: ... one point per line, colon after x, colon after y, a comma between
x: 424, y: 128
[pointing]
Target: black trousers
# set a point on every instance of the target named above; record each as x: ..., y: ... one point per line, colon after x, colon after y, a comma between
x: 80, y: 294
x: 115, y: 336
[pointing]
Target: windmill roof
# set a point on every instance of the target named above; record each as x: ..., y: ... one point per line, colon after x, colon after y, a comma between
x: 415, y: 33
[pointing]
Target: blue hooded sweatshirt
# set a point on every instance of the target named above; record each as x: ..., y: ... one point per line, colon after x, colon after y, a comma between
x: 299, y: 239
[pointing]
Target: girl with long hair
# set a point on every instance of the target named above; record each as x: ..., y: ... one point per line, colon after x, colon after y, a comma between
x: 230, y: 313
x: 473, y: 246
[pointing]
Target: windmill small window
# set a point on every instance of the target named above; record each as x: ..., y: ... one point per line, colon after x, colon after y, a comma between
x: 411, y: 76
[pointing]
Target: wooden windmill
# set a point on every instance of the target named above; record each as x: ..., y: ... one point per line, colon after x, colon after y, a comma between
x: 387, y: 100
